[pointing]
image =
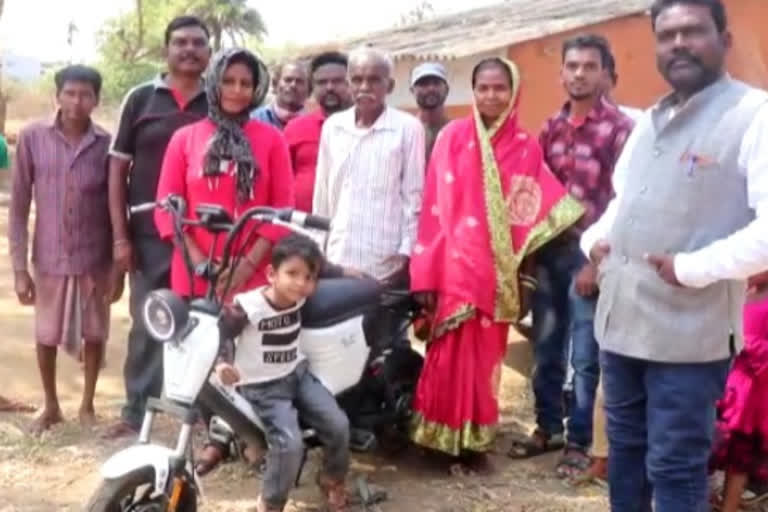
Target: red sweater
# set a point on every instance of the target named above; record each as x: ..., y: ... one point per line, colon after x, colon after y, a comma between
x: 182, y: 174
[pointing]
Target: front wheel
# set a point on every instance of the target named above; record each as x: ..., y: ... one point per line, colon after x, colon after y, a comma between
x: 135, y: 492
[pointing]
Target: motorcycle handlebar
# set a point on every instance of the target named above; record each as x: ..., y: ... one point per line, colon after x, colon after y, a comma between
x: 171, y: 203
x: 305, y: 220
x: 177, y: 206
x: 143, y: 207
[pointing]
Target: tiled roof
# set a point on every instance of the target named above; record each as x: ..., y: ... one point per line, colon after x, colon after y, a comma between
x: 484, y: 29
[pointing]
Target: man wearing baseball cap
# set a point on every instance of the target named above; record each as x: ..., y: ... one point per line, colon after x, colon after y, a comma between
x: 429, y: 85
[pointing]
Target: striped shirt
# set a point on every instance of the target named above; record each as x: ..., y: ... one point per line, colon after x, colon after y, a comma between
x: 268, y: 348
x: 69, y: 186
x: 370, y: 182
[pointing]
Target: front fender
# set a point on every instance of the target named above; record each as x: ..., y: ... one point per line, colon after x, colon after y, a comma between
x: 137, y: 457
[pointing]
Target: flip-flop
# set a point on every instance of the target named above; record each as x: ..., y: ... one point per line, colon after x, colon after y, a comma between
x: 574, y: 461
x: 585, y: 480
x: 754, y: 496
x: 533, y: 446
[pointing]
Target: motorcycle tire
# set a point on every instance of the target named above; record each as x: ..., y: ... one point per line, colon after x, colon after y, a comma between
x: 111, y: 494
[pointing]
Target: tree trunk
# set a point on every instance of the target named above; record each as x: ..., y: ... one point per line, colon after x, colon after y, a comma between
x: 217, y: 36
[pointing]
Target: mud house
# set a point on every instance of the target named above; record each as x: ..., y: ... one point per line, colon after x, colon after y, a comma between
x: 531, y: 33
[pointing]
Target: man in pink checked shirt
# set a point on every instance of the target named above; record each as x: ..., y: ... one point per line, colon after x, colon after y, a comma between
x: 61, y: 164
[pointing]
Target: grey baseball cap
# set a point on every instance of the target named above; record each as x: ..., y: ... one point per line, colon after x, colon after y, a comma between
x: 429, y: 69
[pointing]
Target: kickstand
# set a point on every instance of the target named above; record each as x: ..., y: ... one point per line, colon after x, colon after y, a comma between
x: 304, y: 455
x: 370, y: 497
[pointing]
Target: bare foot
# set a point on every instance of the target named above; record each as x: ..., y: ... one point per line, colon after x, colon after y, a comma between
x: 475, y: 463
x: 46, y: 420
x: 119, y: 430
x: 87, y: 418
x: 253, y: 454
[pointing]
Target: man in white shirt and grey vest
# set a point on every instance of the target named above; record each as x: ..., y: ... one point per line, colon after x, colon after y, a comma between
x: 688, y: 226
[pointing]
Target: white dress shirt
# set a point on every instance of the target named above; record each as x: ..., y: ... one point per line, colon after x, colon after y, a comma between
x: 631, y: 112
x: 736, y: 257
x: 370, y: 181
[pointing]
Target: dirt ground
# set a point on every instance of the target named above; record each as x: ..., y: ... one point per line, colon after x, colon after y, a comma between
x: 59, y: 471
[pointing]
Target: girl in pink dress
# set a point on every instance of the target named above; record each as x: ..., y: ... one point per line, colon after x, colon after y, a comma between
x: 741, y: 448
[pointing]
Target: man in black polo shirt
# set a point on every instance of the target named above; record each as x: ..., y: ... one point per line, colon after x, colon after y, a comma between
x: 151, y: 113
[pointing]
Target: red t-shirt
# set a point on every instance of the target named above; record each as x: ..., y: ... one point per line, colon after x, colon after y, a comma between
x: 303, y: 136
x: 182, y: 174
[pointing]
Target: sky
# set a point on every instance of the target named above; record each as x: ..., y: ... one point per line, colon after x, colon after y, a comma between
x: 38, y: 28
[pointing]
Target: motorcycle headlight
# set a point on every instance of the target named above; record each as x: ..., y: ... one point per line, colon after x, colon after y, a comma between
x: 165, y: 315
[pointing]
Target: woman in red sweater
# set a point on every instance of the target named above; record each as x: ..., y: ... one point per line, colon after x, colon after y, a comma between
x: 232, y: 161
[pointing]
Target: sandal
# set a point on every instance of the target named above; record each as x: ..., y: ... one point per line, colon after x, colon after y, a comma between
x: 574, y: 461
x: 538, y: 443
x: 754, y: 494
x: 595, y: 474
x: 209, y: 458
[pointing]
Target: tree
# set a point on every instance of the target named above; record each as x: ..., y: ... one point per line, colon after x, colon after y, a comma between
x: 72, y: 30
x: 230, y: 18
x: 131, y: 45
x: 421, y: 12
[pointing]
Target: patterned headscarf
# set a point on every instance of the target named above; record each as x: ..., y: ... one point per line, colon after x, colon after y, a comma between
x: 229, y: 141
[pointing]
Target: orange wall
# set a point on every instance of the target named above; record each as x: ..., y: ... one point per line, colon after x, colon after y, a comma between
x: 632, y: 42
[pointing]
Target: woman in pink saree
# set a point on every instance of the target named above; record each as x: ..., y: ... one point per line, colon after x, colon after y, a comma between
x: 489, y: 202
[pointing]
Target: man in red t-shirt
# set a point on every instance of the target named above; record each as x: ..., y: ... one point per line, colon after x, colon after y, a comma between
x: 330, y: 89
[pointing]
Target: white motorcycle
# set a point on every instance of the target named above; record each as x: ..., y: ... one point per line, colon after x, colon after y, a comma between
x: 373, y: 381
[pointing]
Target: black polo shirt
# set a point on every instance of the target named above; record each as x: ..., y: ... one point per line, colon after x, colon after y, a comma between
x: 149, y: 116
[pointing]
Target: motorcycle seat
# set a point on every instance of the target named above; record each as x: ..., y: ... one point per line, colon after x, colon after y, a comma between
x: 339, y: 299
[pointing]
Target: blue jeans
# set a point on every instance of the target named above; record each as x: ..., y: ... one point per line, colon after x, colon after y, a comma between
x: 560, y: 315
x: 660, y: 422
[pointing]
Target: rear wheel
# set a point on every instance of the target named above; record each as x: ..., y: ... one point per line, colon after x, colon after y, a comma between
x: 135, y: 492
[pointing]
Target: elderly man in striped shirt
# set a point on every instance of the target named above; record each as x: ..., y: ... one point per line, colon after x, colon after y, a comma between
x: 370, y: 175
x: 370, y: 179
x: 61, y: 164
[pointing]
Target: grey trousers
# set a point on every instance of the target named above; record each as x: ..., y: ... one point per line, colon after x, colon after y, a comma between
x: 143, y: 368
x: 278, y: 404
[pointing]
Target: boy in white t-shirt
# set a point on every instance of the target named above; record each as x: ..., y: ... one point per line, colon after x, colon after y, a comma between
x: 272, y: 374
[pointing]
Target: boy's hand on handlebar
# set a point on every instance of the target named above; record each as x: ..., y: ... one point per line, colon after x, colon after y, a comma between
x: 227, y: 374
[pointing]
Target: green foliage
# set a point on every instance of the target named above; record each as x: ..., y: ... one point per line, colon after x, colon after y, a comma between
x: 131, y: 45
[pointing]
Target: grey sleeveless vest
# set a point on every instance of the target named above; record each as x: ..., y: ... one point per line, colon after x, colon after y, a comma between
x: 683, y: 192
